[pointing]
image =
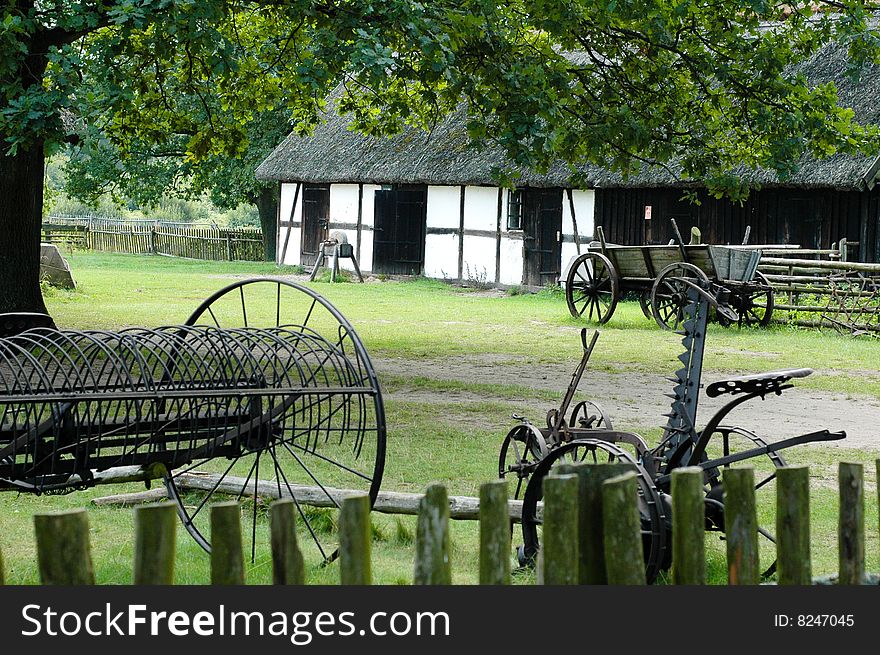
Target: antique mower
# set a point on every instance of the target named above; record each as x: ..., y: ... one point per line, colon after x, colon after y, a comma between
x: 266, y: 380
x: 582, y: 432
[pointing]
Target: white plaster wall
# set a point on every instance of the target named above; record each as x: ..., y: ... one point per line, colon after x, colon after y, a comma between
x: 344, y: 203
x: 480, y: 208
x: 368, y: 210
x: 290, y: 256
x: 441, y: 256
x: 444, y: 207
x: 511, y: 260
x: 584, y: 211
x: 479, y: 259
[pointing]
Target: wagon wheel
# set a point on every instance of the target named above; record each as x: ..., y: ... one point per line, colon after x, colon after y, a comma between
x: 669, y: 293
x: 655, y: 529
x: 755, y: 308
x: 521, y: 451
x: 726, y: 440
x: 589, y: 415
x: 592, y: 287
x: 645, y: 304
x: 321, y: 440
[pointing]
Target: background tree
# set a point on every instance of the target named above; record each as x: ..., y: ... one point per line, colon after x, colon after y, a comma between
x: 703, y: 85
x: 147, y: 173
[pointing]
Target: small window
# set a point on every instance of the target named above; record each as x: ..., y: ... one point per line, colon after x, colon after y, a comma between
x: 514, y: 209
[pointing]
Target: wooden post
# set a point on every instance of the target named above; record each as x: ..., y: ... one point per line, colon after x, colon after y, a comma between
x: 432, y: 565
x: 155, y: 529
x: 288, y: 567
x: 228, y: 246
x: 688, y: 527
x: 591, y: 554
x: 793, y: 525
x: 851, y: 528
x: 559, y: 552
x: 696, y: 236
x: 63, y: 552
x: 741, y: 526
x: 2, y: 578
x: 227, y: 558
x: 624, y: 557
x: 494, y: 534
x: 355, y: 534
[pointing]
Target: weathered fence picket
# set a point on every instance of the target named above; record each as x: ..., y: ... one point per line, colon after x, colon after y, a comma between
x: 741, y: 526
x: 155, y: 529
x: 851, y: 531
x: 355, y: 537
x: 793, y: 525
x: 591, y: 558
x: 288, y: 567
x: 432, y: 564
x: 558, y: 563
x: 688, y: 527
x: 494, y: 534
x: 64, y: 555
x: 227, y: 557
x: 624, y: 557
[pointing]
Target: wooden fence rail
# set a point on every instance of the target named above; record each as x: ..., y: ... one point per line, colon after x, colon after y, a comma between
x: 64, y: 553
x: 156, y: 238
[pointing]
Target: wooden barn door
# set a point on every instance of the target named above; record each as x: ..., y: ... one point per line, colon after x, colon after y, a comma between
x: 315, y: 221
x: 542, y: 236
x: 399, y: 232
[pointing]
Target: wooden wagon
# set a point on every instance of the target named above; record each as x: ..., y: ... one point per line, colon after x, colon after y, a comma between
x: 659, y: 274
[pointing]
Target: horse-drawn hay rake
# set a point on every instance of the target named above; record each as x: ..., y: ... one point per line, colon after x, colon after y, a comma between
x: 266, y: 378
x: 582, y: 432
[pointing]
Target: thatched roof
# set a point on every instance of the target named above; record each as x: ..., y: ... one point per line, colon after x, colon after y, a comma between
x: 336, y: 154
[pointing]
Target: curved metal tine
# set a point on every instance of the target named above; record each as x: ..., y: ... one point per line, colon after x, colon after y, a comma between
x: 213, y: 489
x: 280, y: 471
x: 243, y: 305
x: 312, y: 476
x: 254, y: 514
x: 329, y: 460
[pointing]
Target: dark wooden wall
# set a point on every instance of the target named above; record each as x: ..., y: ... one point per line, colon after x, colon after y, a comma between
x: 811, y: 218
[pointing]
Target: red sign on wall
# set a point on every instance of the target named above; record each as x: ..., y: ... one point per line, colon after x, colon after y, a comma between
x: 647, y: 212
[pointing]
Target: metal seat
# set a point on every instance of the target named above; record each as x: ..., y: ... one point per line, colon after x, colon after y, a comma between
x: 771, y: 382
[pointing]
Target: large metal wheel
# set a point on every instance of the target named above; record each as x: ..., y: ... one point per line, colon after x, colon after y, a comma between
x: 592, y: 287
x: 728, y: 440
x: 655, y: 527
x: 755, y: 308
x: 331, y: 437
x: 521, y: 451
x: 589, y: 415
x: 669, y: 293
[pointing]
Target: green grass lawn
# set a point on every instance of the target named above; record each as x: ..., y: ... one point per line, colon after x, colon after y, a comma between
x: 455, y: 443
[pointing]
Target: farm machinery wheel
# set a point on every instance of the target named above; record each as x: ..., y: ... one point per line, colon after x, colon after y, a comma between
x: 655, y: 528
x: 726, y: 440
x: 645, y: 304
x: 589, y: 415
x: 521, y: 451
x: 755, y: 307
x: 331, y: 436
x: 669, y: 293
x: 592, y: 287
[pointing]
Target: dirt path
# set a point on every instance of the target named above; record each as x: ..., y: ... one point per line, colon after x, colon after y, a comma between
x: 635, y: 399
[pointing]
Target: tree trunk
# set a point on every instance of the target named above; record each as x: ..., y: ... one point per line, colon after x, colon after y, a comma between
x: 21, y: 215
x: 267, y: 205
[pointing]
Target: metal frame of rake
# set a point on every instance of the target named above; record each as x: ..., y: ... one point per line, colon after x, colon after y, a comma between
x: 266, y: 378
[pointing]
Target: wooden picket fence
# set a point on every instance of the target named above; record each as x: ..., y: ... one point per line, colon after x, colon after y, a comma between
x: 157, y: 238
x: 591, y: 533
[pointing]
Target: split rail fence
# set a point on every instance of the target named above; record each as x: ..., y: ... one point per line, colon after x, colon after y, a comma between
x: 820, y: 288
x: 591, y: 534
x: 156, y: 238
